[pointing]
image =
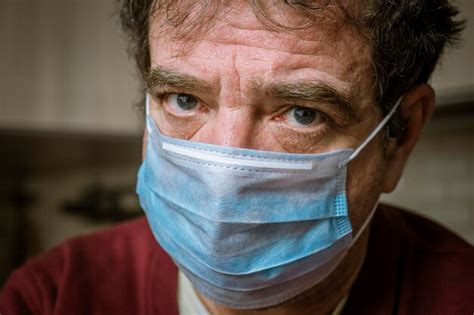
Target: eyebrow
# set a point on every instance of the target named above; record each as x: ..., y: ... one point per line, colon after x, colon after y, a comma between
x: 162, y: 78
x: 310, y: 91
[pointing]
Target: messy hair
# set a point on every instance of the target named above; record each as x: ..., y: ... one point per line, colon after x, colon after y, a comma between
x: 407, y: 37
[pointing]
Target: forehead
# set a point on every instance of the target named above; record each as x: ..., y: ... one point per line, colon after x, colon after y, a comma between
x: 235, y: 39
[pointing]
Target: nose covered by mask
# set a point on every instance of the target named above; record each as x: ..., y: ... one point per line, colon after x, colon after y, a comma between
x: 249, y: 228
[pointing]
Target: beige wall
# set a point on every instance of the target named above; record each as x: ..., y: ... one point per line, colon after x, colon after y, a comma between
x: 64, y: 67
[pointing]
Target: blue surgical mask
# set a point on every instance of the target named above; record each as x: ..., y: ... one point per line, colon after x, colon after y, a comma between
x: 249, y: 228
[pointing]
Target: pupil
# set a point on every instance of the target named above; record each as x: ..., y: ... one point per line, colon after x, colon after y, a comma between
x: 304, y: 116
x: 186, y: 101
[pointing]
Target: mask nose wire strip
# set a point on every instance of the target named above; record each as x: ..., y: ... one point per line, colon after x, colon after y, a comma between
x: 373, y: 134
x: 189, y: 152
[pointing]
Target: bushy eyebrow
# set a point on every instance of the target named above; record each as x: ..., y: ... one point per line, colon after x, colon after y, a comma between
x: 317, y: 92
x: 162, y: 78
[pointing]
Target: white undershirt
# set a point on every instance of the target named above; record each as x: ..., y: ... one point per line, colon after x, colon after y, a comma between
x: 188, y: 301
x: 190, y: 304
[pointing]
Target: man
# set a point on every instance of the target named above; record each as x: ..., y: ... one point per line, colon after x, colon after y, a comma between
x: 272, y: 130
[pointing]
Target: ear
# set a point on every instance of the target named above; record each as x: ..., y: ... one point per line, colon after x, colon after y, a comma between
x: 415, y: 109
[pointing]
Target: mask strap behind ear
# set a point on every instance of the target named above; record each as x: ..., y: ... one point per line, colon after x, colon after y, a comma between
x: 375, y: 132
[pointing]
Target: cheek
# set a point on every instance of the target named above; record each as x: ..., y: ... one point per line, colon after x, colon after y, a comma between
x: 364, y: 183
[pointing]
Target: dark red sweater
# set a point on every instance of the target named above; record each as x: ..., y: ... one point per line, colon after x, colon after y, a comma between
x: 413, y: 266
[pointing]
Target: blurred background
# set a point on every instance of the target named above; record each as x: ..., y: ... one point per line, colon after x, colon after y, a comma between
x: 70, y: 135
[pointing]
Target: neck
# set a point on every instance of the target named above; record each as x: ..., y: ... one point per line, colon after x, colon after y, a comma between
x: 322, y: 299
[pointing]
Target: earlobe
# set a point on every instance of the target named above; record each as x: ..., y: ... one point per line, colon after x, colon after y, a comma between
x: 416, y: 109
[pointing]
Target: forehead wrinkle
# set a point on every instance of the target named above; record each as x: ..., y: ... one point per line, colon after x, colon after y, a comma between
x: 237, y: 75
x: 256, y: 38
x: 278, y: 43
x: 300, y: 53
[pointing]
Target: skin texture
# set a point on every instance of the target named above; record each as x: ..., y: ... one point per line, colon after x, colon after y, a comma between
x: 237, y: 51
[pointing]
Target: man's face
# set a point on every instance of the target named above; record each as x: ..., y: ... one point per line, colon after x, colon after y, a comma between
x: 243, y: 85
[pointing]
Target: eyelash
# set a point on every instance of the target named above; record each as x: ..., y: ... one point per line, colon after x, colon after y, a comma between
x: 163, y: 95
x: 325, y: 117
x: 309, y: 132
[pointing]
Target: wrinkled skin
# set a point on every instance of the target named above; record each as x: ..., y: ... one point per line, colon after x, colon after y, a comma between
x: 237, y: 51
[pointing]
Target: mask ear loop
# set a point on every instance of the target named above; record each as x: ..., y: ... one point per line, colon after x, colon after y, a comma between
x: 366, y: 223
x: 373, y: 134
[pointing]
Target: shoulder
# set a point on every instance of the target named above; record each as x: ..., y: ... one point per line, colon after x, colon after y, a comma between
x: 420, y: 232
x: 97, y: 250
x: 84, y: 270
x: 434, y: 266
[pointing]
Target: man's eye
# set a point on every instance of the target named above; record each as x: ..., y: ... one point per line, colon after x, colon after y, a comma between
x: 182, y: 102
x: 304, y: 116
